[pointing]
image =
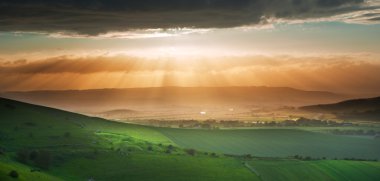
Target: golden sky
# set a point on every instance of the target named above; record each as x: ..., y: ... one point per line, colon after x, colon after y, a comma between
x: 338, y: 73
x: 313, y: 45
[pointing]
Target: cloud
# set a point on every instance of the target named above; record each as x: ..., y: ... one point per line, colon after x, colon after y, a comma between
x: 136, y: 34
x: 94, y: 17
x: 338, y: 73
x: 81, y: 65
x: 124, y: 63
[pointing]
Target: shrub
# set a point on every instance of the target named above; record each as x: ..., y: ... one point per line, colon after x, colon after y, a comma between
x: 248, y: 156
x: 13, y: 174
x: 191, y: 152
x: 150, y: 148
x: 170, y: 147
x: 307, y: 158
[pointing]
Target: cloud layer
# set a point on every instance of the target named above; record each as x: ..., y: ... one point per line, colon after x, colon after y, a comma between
x: 93, y: 17
x: 352, y: 74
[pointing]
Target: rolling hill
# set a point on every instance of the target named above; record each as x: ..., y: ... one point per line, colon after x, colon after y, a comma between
x: 357, y: 109
x: 50, y: 144
x: 141, y: 99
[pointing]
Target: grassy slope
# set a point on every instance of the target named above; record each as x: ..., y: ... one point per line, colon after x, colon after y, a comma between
x: 121, y: 149
x: 7, y: 165
x: 281, y: 170
x: 55, y: 123
x: 276, y: 142
x: 100, y: 149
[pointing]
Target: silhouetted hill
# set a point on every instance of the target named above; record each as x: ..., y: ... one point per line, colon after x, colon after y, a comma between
x: 135, y: 98
x: 357, y: 109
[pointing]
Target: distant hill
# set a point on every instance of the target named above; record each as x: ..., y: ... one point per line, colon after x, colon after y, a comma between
x: 172, y: 97
x: 116, y: 113
x: 119, y: 111
x: 357, y: 109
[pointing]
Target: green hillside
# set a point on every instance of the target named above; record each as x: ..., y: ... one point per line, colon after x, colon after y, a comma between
x: 7, y: 165
x: 41, y: 143
x: 84, y: 147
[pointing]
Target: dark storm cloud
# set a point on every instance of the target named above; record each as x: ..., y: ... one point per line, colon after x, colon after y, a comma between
x: 92, y: 17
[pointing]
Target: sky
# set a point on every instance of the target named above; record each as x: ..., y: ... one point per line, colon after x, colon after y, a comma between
x: 330, y: 45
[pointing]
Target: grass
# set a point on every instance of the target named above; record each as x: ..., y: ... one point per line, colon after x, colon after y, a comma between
x: 84, y: 147
x: 282, y: 170
x: 276, y: 142
x: 147, y: 167
x: 25, y: 122
x: 105, y: 150
x: 24, y: 173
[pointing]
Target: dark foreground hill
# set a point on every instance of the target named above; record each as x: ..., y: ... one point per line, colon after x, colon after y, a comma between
x: 45, y: 144
x: 358, y: 109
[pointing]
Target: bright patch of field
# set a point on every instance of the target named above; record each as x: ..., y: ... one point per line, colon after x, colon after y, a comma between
x: 283, y: 170
x: 276, y: 143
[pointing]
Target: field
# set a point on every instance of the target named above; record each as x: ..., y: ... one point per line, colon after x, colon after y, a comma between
x: 281, y: 170
x: 276, y: 142
x: 84, y: 148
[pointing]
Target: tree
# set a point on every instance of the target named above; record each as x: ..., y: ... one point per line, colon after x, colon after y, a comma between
x: 307, y: 158
x: 170, y: 147
x: 13, y: 174
x: 191, y: 152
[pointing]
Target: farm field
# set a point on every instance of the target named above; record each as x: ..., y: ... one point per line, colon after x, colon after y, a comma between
x: 84, y: 148
x: 282, y: 170
x: 276, y: 142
